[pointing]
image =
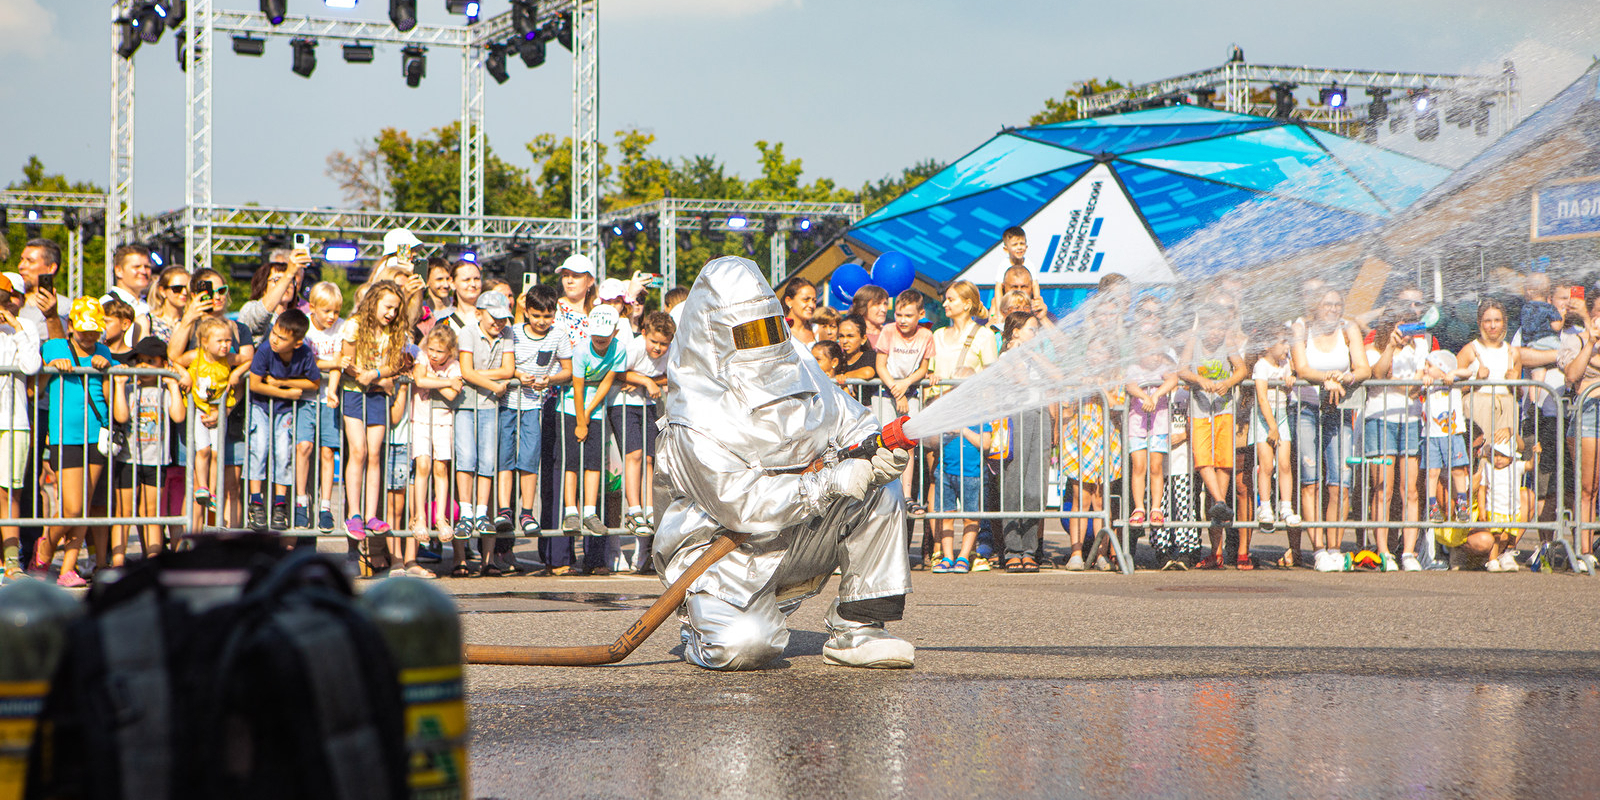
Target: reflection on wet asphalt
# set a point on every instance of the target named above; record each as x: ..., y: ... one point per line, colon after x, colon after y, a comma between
x: 845, y: 734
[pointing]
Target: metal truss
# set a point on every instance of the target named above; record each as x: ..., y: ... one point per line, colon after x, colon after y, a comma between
x: 53, y: 208
x: 198, y: 54
x: 675, y: 214
x: 119, y: 210
x: 1234, y: 79
x: 585, y: 32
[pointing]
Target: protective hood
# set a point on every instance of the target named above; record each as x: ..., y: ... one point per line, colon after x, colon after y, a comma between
x: 750, y: 389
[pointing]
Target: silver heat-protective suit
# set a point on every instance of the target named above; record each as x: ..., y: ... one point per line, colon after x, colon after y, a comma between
x: 744, y: 415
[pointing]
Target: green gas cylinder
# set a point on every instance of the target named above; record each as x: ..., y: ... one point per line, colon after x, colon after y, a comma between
x: 34, y: 616
x: 423, y: 630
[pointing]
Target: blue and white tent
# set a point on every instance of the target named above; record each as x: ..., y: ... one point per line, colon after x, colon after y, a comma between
x: 1142, y: 194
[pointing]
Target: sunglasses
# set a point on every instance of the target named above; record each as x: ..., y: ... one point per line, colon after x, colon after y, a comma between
x: 176, y: 287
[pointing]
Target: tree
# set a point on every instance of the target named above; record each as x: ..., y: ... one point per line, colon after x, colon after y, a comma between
x: 35, y: 179
x: 1066, y: 108
x: 361, y: 177
x: 424, y: 175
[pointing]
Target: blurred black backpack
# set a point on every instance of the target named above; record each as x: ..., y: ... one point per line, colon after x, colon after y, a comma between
x: 177, y: 684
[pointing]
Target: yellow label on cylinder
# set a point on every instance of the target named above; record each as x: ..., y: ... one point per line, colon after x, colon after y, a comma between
x: 436, y: 732
x: 20, y: 703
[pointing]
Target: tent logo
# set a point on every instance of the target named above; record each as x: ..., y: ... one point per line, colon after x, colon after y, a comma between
x: 1074, y: 248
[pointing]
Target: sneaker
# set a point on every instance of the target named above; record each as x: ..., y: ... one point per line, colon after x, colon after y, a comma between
x: 280, y: 516
x: 1463, y: 509
x: 1103, y: 564
x: 14, y: 571
x: 981, y: 564
x: 1387, y: 563
x: 1220, y: 514
x: 71, y: 580
x: 377, y: 527
x: 256, y: 519
x: 325, y: 520
x: 943, y: 565
x: 529, y: 525
x: 1409, y: 563
x: 354, y: 529
x: 1264, y: 515
x: 302, y: 517
x: 1508, y: 561
x: 1435, y: 513
x: 503, y: 522
x: 1286, y: 513
x: 593, y: 525
x: 569, y: 523
x: 463, y: 529
x: 1075, y: 564
x: 1492, y: 565
x: 1175, y: 564
x: 1320, y: 562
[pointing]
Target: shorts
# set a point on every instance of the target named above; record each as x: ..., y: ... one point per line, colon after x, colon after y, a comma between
x: 1258, y: 428
x: 883, y: 406
x: 520, y: 439
x: 1325, y: 442
x: 1444, y: 451
x: 587, y: 455
x: 371, y: 407
x: 126, y: 475
x: 1155, y: 444
x: 74, y: 456
x: 316, y: 422
x: 1381, y: 437
x: 1587, y: 423
x: 433, y: 436
x: 477, y: 440
x: 635, y: 427
x: 271, y: 440
x: 15, y: 451
x: 399, y: 466
x: 1213, y: 441
x: 1514, y: 529
x: 959, y: 493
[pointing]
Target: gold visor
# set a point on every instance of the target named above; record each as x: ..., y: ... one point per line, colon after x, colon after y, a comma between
x: 760, y: 333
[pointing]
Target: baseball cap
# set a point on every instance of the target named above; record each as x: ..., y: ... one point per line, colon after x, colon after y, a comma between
x: 612, y: 289
x: 1504, y: 448
x: 603, y: 321
x: 1443, y: 359
x: 86, y: 315
x: 14, y: 283
x: 578, y: 262
x: 149, y: 347
x: 495, y: 305
x: 399, y: 236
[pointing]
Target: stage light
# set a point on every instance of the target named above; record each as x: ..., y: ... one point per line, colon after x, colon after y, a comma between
x: 802, y: 225
x: 173, y: 12
x: 403, y: 14
x: 181, y: 38
x: 305, y: 56
x: 495, y: 63
x: 1283, y: 100
x: 1204, y: 96
x: 467, y: 7
x: 638, y: 225
x: 1333, y: 96
x: 564, y: 30
x: 150, y: 21
x: 69, y: 218
x: 128, y: 40
x: 616, y: 229
x: 1420, y: 101
x: 275, y: 10
x: 737, y: 222
x: 525, y: 18
x: 1378, y: 106
x: 461, y: 252
x: 414, y: 64
x: 1480, y: 118
x: 33, y: 223
x: 1427, y: 127
x: 343, y: 5
x: 249, y: 46
x: 532, y: 52
x: 358, y: 53
x: 340, y: 251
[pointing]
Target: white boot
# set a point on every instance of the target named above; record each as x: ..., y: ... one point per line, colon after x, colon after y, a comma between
x: 868, y: 646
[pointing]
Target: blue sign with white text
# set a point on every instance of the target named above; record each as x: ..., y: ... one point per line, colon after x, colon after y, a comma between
x: 1567, y: 209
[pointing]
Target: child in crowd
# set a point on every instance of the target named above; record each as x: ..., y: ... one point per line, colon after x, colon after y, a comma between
x: 828, y: 354
x: 208, y: 380
x: 544, y: 361
x: 1022, y: 464
x: 318, y: 421
x: 960, y: 489
x: 1501, y: 497
x: 1443, y: 444
x: 19, y: 350
x: 436, y: 387
x: 902, y: 364
x: 1270, y: 430
x: 1090, y: 450
x: 857, y: 361
x: 1150, y: 381
x: 644, y: 374
x: 398, y: 476
x: 371, y: 352
x: 826, y: 323
x: 148, y: 406
x: 488, y: 363
x: 119, y: 320
x: 594, y: 369
x: 283, y: 375
x: 79, y: 430
x: 1213, y: 364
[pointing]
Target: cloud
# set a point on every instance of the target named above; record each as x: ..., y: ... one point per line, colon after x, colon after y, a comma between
x: 683, y: 9
x: 26, y: 29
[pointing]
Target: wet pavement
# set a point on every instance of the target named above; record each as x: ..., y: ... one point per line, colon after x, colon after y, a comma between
x: 1217, y: 684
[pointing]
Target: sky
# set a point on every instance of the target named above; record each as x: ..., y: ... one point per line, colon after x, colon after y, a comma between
x: 858, y: 89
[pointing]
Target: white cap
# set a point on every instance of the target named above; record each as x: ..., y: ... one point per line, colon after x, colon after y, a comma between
x: 603, y: 321
x: 612, y: 289
x: 1504, y: 448
x: 399, y: 236
x: 13, y: 280
x: 578, y: 262
x: 1444, y: 360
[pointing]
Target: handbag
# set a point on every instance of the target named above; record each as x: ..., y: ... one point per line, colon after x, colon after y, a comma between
x: 109, y: 442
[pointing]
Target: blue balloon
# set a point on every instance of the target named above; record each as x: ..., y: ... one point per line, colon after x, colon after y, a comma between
x: 894, y: 272
x: 847, y: 278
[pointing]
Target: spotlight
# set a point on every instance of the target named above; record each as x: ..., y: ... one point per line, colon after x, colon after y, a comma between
x: 275, y: 10
x: 128, y: 39
x: 69, y: 218
x: 180, y: 39
x: 801, y: 225
x: 172, y: 11
x: 414, y: 64
x: 495, y: 63
x: 769, y: 224
x: 151, y: 20
x: 532, y: 52
x: 33, y: 223
x: 738, y: 223
x: 340, y: 251
x: 1333, y: 96
x: 249, y: 46
x: 564, y: 30
x: 638, y: 226
x: 343, y: 5
x: 358, y: 53
x: 1427, y: 128
x: 1378, y: 107
x: 525, y: 18
x: 1460, y: 111
x: 1204, y: 96
x: 155, y: 256
x: 616, y: 230
x: 466, y: 7
x: 1283, y: 100
x: 403, y: 14
x: 461, y: 252
x: 305, y: 56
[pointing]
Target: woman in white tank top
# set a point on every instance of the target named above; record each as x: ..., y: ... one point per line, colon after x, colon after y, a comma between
x: 1330, y: 359
x: 1491, y: 408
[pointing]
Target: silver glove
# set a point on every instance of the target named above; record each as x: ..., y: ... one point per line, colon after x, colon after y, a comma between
x: 852, y: 478
x: 888, y: 465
